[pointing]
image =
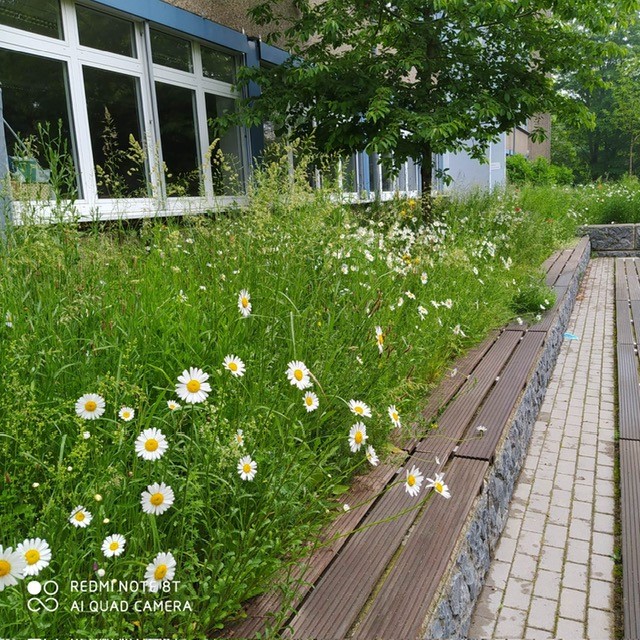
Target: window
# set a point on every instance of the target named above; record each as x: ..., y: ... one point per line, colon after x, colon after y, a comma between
x: 116, y: 136
x: 107, y: 33
x: 171, y: 51
x: 35, y: 96
x: 35, y: 16
x: 226, y: 155
x: 176, y: 115
x: 218, y: 65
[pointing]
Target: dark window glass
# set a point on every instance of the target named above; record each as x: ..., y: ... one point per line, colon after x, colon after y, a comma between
x: 36, y: 16
x: 225, y: 148
x: 218, y: 65
x: 170, y: 51
x: 176, y: 115
x: 114, y: 125
x: 35, y: 98
x: 373, y: 172
x: 107, y: 33
x: 412, y: 183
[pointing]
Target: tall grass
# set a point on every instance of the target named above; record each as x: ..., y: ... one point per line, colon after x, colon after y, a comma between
x: 122, y: 313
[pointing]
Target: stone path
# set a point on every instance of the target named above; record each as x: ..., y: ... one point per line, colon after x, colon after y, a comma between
x: 552, y: 573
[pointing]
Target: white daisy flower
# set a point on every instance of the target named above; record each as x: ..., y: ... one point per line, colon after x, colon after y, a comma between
x: 239, y: 437
x: 151, y: 444
x: 192, y: 385
x: 360, y: 408
x: 247, y: 468
x: 410, y: 295
x: 481, y: 429
x: 414, y: 481
x: 162, y: 569
x: 357, y: 436
x: 372, y: 456
x: 173, y: 405
x: 90, y: 406
x: 235, y: 365
x: 86, y: 435
x: 80, y: 517
x: 37, y: 555
x: 12, y: 567
x: 422, y: 312
x: 157, y: 498
x: 424, y: 278
x: 438, y: 485
x: 243, y: 303
x: 447, y: 303
x: 298, y: 375
x: 394, y: 416
x: 127, y: 414
x: 311, y: 402
x: 380, y: 339
x: 457, y: 331
x: 113, y: 545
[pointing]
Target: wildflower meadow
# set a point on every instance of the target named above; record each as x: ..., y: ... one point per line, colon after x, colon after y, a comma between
x: 182, y: 403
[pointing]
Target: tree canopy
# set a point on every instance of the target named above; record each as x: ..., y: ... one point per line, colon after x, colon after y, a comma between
x: 417, y: 77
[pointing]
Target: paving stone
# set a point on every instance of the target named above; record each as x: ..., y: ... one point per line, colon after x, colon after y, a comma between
x: 578, y: 551
x: 581, y: 510
x: 599, y: 623
x: 575, y: 576
x: 555, y: 535
x: 601, y: 567
x: 603, y: 522
x: 542, y: 614
x: 569, y: 629
x: 524, y: 567
x: 551, y: 558
x: 600, y: 594
x: 517, y: 594
x: 498, y: 574
x: 510, y: 624
x: 602, y: 543
x: 547, y: 584
x: 573, y: 604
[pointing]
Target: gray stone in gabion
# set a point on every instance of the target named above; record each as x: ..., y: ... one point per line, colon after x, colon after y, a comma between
x: 460, y: 597
x: 611, y: 237
x: 637, y: 236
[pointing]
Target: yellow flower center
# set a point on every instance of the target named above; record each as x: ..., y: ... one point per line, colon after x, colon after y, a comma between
x: 114, y: 546
x: 395, y: 417
x: 151, y: 444
x: 80, y: 516
x: 358, y: 437
x: 32, y: 556
x: 246, y: 467
x: 160, y: 572
x: 126, y: 414
x: 380, y: 338
x: 245, y: 302
x: 411, y: 480
x: 298, y: 374
x: 156, y: 499
x: 309, y: 400
x: 193, y: 386
x: 358, y: 409
x: 5, y: 568
x: 90, y: 405
x: 233, y: 366
x: 439, y: 487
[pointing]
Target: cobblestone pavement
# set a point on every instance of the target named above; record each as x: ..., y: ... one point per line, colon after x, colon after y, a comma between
x: 552, y: 572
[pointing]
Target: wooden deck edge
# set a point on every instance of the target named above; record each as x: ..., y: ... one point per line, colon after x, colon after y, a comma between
x: 449, y: 615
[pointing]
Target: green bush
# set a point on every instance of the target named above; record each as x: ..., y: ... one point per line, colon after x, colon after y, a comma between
x: 540, y: 172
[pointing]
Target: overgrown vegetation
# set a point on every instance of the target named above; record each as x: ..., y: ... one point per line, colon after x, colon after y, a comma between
x: 374, y: 303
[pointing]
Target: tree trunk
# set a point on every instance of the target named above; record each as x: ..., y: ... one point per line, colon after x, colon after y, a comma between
x: 426, y: 182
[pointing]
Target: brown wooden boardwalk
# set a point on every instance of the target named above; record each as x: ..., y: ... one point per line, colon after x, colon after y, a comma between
x: 628, y: 326
x: 381, y: 581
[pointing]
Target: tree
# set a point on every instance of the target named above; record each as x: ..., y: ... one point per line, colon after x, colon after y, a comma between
x: 417, y: 77
x: 626, y: 109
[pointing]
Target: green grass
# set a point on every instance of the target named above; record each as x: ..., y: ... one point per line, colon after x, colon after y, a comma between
x: 122, y: 313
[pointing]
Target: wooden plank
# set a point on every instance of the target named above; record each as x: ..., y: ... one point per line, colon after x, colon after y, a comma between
x: 558, y: 266
x: 579, y: 250
x: 630, y: 516
x: 550, y: 261
x: 401, y: 605
x: 453, y: 422
x: 622, y: 292
x: 449, y: 385
x: 261, y: 612
x: 551, y: 315
x: 632, y: 279
x: 628, y: 393
x: 635, y: 320
x: 499, y: 404
x: 333, y: 605
x: 624, y: 326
